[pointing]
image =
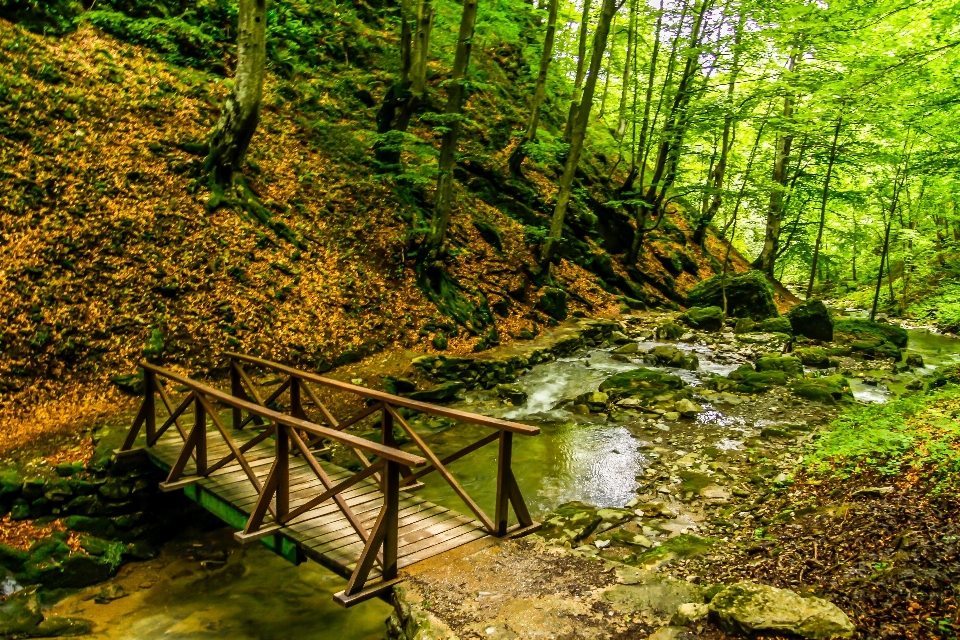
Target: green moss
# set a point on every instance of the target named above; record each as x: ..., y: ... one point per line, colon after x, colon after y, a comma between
x: 749, y: 295
x: 682, y: 546
x: 704, y: 318
x: 641, y: 382
x: 789, y: 365
x: 827, y: 390
x: 865, y: 330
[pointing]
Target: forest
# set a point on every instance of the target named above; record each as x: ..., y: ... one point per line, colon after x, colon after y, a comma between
x: 708, y: 250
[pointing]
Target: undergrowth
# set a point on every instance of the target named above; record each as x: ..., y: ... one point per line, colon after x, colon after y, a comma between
x: 916, y: 435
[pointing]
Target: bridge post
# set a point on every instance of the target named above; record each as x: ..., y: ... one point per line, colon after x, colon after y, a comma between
x: 504, y: 471
x: 386, y: 439
x: 391, y: 506
x: 236, y: 390
x: 200, y: 424
x: 283, y: 470
x: 150, y: 405
x: 296, y: 400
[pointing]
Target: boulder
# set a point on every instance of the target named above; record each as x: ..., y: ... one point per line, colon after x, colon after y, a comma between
x: 750, y: 608
x: 641, y: 383
x: 811, y: 319
x: 594, y: 400
x: 690, y: 612
x: 704, y: 318
x: 745, y: 325
x: 20, y: 613
x: 511, y: 393
x: 814, y: 357
x: 914, y: 360
x: 553, y: 302
x: 687, y: 408
x: 667, y: 356
x: 789, y: 365
x: 571, y: 522
x: 857, y: 329
x: 746, y: 380
x: 627, y: 349
x: 446, y: 392
x: 749, y: 295
x: 828, y: 390
x: 669, y: 331
x: 775, y: 325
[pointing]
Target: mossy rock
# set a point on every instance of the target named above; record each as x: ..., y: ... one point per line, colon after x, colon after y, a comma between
x: 667, y: 356
x: 811, y: 319
x: 791, y: 366
x: 860, y: 329
x: 683, y: 546
x: 827, y: 390
x: 745, y: 325
x: 446, y: 392
x: 553, y: 302
x: 749, y: 608
x: 704, y: 318
x: 774, y: 325
x: 815, y: 357
x: 641, y: 382
x: 746, y: 380
x: 571, y: 522
x: 749, y: 295
x: 876, y: 348
x: 670, y: 331
x: 20, y: 613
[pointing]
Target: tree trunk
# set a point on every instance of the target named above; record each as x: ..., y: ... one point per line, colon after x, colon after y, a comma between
x: 767, y: 259
x: 453, y: 114
x: 627, y: 68
x: 727, y: 140
x: 421, y: 47
x: 664, y: 171
x: 402, y: 98
x: 823, y: 204
x: 241, y: 111
x: 886, y: 245
x: 640, y: 212
x: 530, y: 135
x: 581, y: 68
x: 579, y: 132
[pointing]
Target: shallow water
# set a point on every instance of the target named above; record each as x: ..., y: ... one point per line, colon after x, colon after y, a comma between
x: 255, y: 595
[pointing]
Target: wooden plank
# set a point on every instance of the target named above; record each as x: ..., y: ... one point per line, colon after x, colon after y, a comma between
x: 443, y: 547
x: 332, y: 540
x: 443, y: 534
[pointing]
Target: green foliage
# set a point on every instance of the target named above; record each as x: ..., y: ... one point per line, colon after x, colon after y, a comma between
x: 918, y: 432
x: 177, y: 39
x: 941, y: 308
x: 43, y: 16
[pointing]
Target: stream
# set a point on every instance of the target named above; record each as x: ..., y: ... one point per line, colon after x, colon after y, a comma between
x: 593, y: 458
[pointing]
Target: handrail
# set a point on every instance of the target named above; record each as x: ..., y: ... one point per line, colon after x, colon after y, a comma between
x: 397, y: 401
x: 387, y: 453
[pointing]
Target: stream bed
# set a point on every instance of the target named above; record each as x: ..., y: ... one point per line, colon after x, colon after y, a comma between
x: 249, y: 593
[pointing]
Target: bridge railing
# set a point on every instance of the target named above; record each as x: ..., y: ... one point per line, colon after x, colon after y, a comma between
x: 295, y: 434
x: 508, y: 492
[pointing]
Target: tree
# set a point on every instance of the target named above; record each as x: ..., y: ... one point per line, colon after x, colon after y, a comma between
x: 238, y: 121
x: 452, y: 116
x: 403, y: 97
x: 767, y: 258
x: 726, y: 140
x: 627, y: 68
x: 530, y: 134
x: 823, y: 203
x: 581, y: 69
x: 579, y: 132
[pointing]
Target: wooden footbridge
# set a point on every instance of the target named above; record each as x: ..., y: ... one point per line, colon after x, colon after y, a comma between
x: 262, y: 474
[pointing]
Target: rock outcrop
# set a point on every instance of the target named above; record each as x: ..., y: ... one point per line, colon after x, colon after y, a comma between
x: 748, y: 295
x: 750, y: 608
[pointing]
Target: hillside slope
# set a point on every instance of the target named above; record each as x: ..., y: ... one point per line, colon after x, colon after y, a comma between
x: 109, y: 255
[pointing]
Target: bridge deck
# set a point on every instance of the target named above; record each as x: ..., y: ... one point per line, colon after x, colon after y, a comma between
x: 322, y: 534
